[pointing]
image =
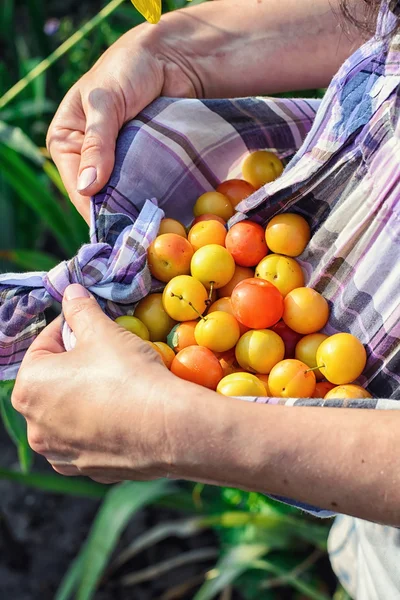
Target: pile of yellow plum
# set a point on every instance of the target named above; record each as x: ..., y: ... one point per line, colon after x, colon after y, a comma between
x: 235, y: 315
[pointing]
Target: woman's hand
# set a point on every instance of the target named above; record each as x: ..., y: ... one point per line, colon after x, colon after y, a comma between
x: 217, y: 49
x: 98, y: 410
x: 130, y: 74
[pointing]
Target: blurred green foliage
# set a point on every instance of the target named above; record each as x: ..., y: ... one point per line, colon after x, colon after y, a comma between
x: 264, y: 546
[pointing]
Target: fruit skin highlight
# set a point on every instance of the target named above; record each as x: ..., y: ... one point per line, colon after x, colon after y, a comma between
x: 205, y: 233
x: 246, y: 242
x: 198, y: 365
x: 305, y: 310
x: 342, y: 358
x: 236, y: 190
x: 259, y: 351
x: 212, y: 264
x: 219, y: 331
x: 349, y: 391
x: 151, y: 312
x: 291, y: 379
x: 287, y: 234
x: 213, y: 203
x: 168, y: 256
x: 134, y: 325
x: 261, y: 167
x: 241, y: 384
x: 284, y: 272
x: 184, y: 298
x: 172, y: 226
x: 257, y: 303
x: 306, y: 351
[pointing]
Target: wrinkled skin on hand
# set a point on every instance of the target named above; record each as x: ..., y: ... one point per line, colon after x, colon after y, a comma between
x: 134, y: 71
x: 100, y: 409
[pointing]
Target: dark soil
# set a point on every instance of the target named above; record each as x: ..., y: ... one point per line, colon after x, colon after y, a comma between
x: 40, y: 534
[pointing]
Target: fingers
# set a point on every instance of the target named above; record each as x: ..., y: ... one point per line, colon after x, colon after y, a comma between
x: 103, y: 120
x: 64, y: 142
x: 49, y: 341
x: 84, y: 315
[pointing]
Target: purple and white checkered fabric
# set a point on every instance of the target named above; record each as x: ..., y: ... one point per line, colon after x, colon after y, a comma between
x: 342, y: 174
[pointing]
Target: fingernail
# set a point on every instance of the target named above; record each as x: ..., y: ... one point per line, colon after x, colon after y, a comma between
x: 75, y: 290
x: 86, y: 178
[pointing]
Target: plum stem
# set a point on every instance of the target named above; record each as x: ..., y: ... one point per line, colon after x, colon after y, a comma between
x: 314, y: 368
x: 190, y: 304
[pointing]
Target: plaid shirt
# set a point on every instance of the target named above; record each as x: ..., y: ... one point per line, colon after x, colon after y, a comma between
x: 342, y: 175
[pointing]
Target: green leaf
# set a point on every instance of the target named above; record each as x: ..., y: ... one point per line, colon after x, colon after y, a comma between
x: 230, y: 566
x: 30, y: 189
x: 71, y: 579
x: 289, y: 578
x: 15, y: 425
x: 28, y: 108
x: 30, y: 260
x: 15, y: 138
x: 65, y: 47
x: 120, y: 504
x: 57, y: 484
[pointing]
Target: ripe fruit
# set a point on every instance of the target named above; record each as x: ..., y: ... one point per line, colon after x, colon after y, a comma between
x: 322, y: 388
x: 239, y: 275
x: 134, y: 325
x: 257, y: 303
x: 151, y: 312
x: 213, y: 203
x: 184, y: 298
x: 212, y: 264
x: 182, y: 336
x: 171, y: 226
x: 246, y: 242
x: 198, y: 365
x: 167, y: 353
x: 261, y: 167
x: 205, y: 233
x: 219, y: 331
x: 305, y: 310
x: 259, y: 350
x: 284, y: 272
x: 291, y: 379
x: 306, y: 351
x: 241, y: 384
x: 235, y: 190
x: 342, y: 358
x: 264, y: 380
x: 287, y: 234
x: 290, y: 337
x: 169, y: 255
x: 228, y: 362
x: 208, y: 217
x: 225, y: 304
x: 348, y: 392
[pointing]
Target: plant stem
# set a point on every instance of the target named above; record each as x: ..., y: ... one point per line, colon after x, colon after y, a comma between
x: 59, y: 52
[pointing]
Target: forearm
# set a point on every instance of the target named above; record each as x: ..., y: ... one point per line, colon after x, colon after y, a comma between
x: 343, y: 460
x: 245, y: 47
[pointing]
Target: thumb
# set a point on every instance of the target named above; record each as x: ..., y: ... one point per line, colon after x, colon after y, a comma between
x: 84, y: 315
x: 97, y: 151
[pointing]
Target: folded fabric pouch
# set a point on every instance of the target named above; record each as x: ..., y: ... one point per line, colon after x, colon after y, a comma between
x: 174, y: 151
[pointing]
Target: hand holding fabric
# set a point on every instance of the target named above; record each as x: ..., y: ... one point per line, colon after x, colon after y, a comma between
x: 98, y: 410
